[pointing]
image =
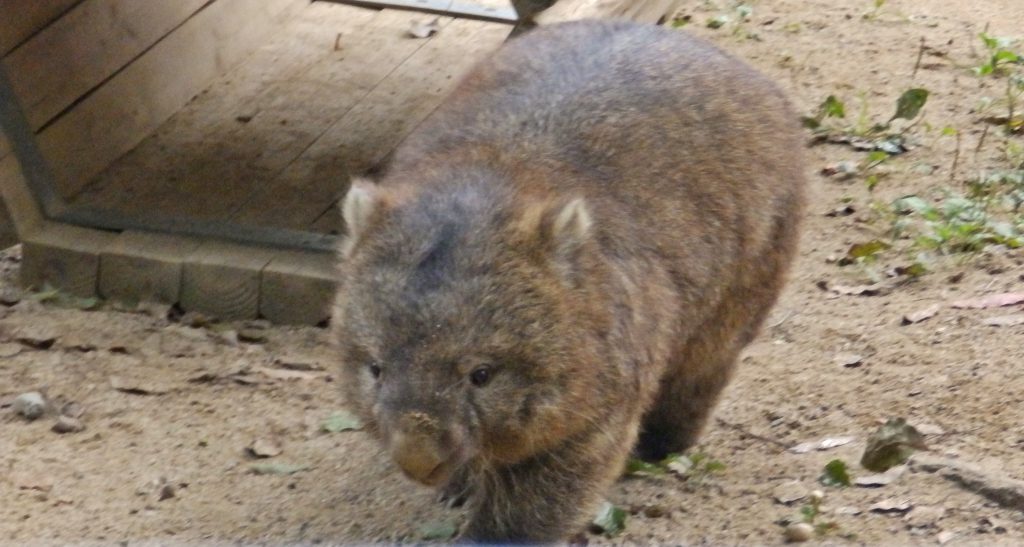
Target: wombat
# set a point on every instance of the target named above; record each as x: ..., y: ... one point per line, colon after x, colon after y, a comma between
x: 561, y: 264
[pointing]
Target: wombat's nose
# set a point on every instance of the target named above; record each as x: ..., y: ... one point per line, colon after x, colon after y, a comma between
x: 420, y: 456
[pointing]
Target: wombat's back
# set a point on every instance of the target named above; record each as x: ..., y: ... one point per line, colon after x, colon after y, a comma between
x: 673, y: 143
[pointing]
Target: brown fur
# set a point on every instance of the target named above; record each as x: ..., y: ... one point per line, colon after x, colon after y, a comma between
x: 601, y: 215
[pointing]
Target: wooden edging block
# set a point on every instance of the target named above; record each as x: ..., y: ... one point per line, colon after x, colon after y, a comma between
x: 65, y: 257
x: 298, y: 288
x: 142, y: 266
x: 223, y: 280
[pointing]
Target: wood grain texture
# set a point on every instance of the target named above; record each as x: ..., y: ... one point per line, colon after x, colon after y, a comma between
x: 85, y: 140
x: 223, y: 280
x: 140, y: 266
x: 298, y: 288
x: 64, y: 257
x: 84, y: 47
x: 20, y: 19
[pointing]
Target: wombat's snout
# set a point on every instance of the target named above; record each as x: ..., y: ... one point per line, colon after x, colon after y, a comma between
x: 423, y: 450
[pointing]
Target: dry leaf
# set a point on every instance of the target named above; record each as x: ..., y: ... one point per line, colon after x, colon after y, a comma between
x: 891, y: 505
x: 881, y: 479
x: 1005, y: 320
x: 990, y: 301
x: 874, y: 289
x: 920, y: 315
x: 849, y: 360
x: 136, y: 387
x: 282, y: 374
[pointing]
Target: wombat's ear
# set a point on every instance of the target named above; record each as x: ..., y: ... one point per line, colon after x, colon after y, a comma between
x: 358, y: 206
x: 570, y: 230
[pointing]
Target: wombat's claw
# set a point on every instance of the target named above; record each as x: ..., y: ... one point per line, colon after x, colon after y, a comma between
x: 455, y: 494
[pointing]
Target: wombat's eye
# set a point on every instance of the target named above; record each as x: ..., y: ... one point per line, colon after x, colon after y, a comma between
x: 480, y: 376
x: 375, y: 371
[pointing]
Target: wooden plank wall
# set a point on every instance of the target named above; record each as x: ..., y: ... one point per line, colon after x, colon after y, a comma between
x: 23, y: 18
x: 93, y: 83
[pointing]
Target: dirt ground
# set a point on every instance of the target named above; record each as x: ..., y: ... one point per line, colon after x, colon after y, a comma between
x: 170, y: 409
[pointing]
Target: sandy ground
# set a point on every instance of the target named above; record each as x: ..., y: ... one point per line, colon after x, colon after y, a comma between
x: 191, y: 399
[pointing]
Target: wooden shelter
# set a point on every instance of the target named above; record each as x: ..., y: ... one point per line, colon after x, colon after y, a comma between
x: 192, y: 151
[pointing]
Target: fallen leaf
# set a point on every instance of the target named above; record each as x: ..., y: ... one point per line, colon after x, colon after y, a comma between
x: 1005, y: 320
x: 835, y: 474
x: 921, y: 315
x: 990, y: 301
x: 34, y: 482
x: 283, y: 374
x: 10, y: 350
x: 824, y: 444
x: 342, y: 421
x: 278, y: 468
x: 136, y: 387
x: 849, y: 360
x: 789, y: 492
x: 874, y: 289
x: 844, y: 211
x: 298, y: 362
x: 425, y: 30
x: 881, y: 479
x: 610, y: 520
x: 264, y: 448
x: 891, y: 445
x: 438, y: 531
x: 891, y: 505
x: 41, y: 337
x: 834, y: 442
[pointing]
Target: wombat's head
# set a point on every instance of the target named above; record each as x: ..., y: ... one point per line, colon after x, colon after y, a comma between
x: 469, y: 323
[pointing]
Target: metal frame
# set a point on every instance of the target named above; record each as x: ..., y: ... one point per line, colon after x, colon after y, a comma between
x: 41, y: 184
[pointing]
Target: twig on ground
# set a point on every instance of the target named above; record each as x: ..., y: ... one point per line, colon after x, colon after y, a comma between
x: 1004, y: 491
x: 741, y: 429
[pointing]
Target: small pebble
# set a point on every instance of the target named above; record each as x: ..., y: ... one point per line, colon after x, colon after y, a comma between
x: 31, y: 405
x: 799, y: 532
x: 67, y: 424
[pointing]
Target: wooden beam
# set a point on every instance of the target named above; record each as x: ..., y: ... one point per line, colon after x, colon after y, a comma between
x: 65, y: 257
x: 83, y: 48
x: 298, y: 288
x: 223, y: 280
x: 20, y: 19
x: 144, y: 266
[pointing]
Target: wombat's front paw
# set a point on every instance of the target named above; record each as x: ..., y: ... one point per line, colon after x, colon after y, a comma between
x: 457, y: 492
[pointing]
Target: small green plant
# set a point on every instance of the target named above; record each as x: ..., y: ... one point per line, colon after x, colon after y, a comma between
x: 835, y: 474
x: 960, y: 223
x: 737, y: 17
x: 694, y: 468
x: 1000, y: 55
x: 876, y: 8
x: 811, y: 512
